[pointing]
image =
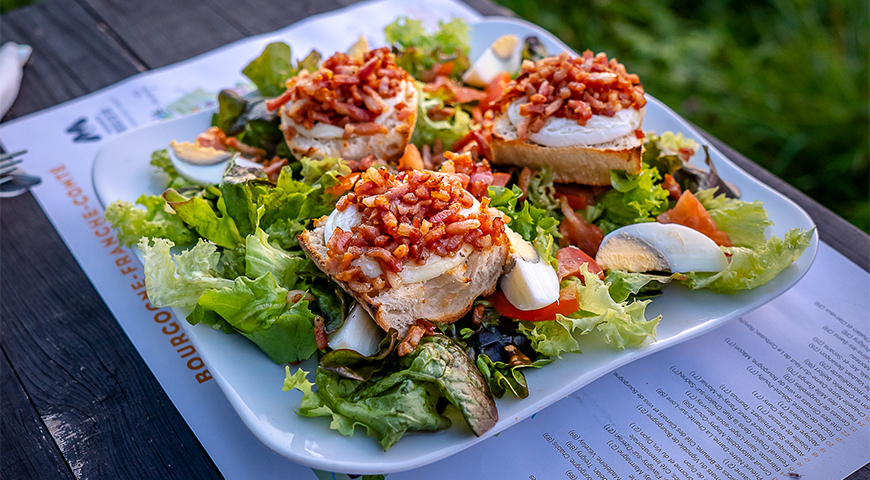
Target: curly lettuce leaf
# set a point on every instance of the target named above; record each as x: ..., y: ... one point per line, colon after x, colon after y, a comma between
x: 625, y: 285
x: 744, y: 222
x: 427, y: 131
x: 180, y: 283
x: 752, y: 267
x: 271, y: 69
x: 634, y: 199
x: 622, y: 323
x: 134, y: 223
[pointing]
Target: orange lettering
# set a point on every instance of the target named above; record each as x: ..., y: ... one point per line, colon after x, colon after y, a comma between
x: 162, y: 316
x: 150, y: 307
x: 176, y: 341
x: 90, y: 212
x: 97, y: 222
x: 120, y: 262
x: 138, y: 285
x: 173, y: 332
x: 102, y: 232
x: 57, y: 169
x: 127, y: 270
x: 203, y: 376
x: 195, y: 363
x: 80, y: 201
x: 187, y: 348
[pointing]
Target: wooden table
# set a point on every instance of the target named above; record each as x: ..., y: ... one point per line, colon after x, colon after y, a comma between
x: 77, y: 399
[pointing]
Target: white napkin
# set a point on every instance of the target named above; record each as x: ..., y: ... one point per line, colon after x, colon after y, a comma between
x: 12, y: 59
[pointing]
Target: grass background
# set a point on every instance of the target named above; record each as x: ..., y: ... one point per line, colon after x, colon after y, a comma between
x: 785, y: 82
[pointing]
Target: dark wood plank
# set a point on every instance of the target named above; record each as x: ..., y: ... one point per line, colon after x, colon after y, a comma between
x: 71, y: 56
x: 263, y: 16
x: 102, y: 406
x: 833, y: 229
x: 162, y: 32
x: 28, y: 449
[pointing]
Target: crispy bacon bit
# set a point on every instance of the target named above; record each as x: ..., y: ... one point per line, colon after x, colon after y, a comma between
x: 565, y: 87
x: 320, y: 333
x: 214, y: 137
x: 412, y: 338
x: 362, y: 129
x: 575, y: 231
x: 639, y: 134
x: 273, y: 168
x: 253, y: 153
x: 345, y: 91
x: 409, y: 216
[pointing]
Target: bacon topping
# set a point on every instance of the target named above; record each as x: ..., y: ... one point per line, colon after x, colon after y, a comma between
x: 344, y: 91
x: 408, y: 217
x: 574, y: 88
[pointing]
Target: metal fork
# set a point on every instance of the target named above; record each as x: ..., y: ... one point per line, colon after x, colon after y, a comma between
x: 12, y: 183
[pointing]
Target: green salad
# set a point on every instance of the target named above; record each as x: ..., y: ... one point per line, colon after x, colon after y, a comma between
x: 228, y: 253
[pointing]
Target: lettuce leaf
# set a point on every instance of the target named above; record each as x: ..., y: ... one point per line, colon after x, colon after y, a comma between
x: 419, y: 51
x: 622, y: 323
x: 199, y: 214
x: 426, y: 130
x: 744, y: 222
x: 386, y: 409
x: 160, y: 159
x: 259, y: 310
x: 180, y: 283
x: 503, y: 378
x: 262, y: 257
x: 290, y: 338
x: 534, y: 224
x: 271, y: 69
x: 634, y: 199
x: 626, y: 284
x: 133, y: 223
x: 749, y: 268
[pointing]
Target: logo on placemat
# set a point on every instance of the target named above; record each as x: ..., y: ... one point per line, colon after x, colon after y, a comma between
x: 83, y: 131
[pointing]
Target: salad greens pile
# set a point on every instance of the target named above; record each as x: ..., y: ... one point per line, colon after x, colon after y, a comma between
x: 238, y: 266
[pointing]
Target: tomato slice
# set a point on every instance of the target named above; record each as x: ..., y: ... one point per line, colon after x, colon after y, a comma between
x: 571, y: 259
x: 566, y: 304
x: 691, y: 213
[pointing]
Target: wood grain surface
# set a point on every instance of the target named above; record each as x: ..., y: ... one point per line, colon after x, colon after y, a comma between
x: 77, y: 399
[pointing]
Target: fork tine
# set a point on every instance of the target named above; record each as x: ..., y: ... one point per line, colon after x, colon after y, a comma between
x: 9, y: 165
x: 12, y: 155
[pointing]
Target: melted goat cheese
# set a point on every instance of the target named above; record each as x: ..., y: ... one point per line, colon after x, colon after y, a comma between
x: 565, y: 132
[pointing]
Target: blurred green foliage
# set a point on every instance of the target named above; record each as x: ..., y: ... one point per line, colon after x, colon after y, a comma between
x: 7, y: 5
x: 785, y: 82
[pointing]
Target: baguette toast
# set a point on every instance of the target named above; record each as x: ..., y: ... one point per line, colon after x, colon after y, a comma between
x: 583, y: 164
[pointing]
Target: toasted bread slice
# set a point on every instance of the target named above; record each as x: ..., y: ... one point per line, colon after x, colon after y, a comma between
x: 584, y: 164
x: 388, y: 146
x: 442, y: 299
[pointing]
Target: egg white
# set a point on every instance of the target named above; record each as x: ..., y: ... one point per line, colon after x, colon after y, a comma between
x: 564, y: 132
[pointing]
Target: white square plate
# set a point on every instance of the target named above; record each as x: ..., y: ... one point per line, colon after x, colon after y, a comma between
x: 253, y: 383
